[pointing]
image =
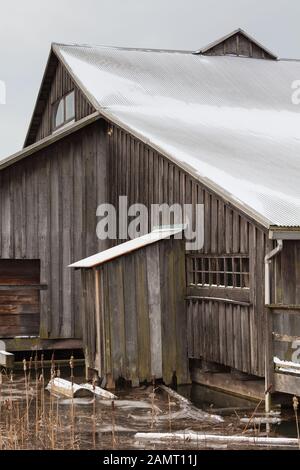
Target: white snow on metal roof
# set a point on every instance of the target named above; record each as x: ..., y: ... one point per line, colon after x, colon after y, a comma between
x: 127, y: 247
x: 229, y: 121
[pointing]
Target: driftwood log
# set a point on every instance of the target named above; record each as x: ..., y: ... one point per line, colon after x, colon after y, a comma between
x: 63, y: 387
x: 188, y: 410
x: 189, y: 436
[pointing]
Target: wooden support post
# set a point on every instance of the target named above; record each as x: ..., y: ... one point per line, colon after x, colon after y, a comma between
x: 268, y: 325
x: 98, y: 322
x: 110, y: 383
x: 135, y: 383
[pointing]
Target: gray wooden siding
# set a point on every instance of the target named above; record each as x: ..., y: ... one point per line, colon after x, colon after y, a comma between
x: 286, y: 301
x: 135, y: 327
x: 19, y: 297
x: 238, y: 45
x: 48, y: 211
x: 61, y: 84
x: 146, y: 177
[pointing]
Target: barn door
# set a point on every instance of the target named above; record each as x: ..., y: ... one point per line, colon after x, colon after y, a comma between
x: 19, y: 298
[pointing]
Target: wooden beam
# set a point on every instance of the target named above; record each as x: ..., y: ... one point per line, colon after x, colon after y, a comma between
x: 278, y: 308
x: 154, y: 302
x: 23, y: 287
x: 285, y: 338
x: 39, y: 344
x: 252, y: 389
x: 287, y: 383
x: 219, y: 299
x: 7, y: 359
x: 98, y: 338
x: 237, y: 294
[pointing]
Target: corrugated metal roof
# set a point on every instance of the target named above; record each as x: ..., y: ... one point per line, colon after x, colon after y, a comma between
x: 127, y: 247
x: 229, y: 121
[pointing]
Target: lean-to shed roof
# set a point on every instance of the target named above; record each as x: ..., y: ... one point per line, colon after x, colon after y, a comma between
x: 125, y: 248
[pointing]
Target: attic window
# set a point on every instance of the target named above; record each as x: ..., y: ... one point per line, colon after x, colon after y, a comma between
x: 63, y: 111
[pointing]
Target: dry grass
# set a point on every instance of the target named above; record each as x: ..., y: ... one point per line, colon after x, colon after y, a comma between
x: 29, y: 417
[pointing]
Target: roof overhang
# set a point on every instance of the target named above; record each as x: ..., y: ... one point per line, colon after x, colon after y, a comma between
x: 284, y: 233
x: 55, y: 137
x: 40, y: 103
x: 158, y: 234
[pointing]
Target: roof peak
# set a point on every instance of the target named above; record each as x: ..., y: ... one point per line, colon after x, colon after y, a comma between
x: 122, y: 48
x: 231, y: 44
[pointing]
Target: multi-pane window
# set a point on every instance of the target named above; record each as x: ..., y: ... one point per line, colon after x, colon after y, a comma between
x: 63, y: 111
x: 218, y: 271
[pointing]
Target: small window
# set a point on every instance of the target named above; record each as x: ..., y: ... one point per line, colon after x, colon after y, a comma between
x: 70, y: 106
x: 218, y: 271
x: 64, y: 111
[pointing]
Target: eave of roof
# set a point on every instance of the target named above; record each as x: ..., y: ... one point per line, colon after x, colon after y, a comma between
x: 125, y: 248
x: 123, y: 48
x: 284, y: 233
x: 31, y: 149
x: 45, y: 74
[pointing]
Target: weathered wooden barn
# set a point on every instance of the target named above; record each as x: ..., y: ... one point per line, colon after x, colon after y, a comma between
x: 216, y: 127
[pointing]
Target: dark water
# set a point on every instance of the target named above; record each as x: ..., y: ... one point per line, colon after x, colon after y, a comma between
x: 228, y: 405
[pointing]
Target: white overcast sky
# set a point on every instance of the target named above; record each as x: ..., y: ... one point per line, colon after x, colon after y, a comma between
x: 27, y: 28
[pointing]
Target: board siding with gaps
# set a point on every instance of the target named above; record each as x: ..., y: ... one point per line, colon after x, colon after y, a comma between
x: 19, y: 298
x: 227, y: 232
x: 96, y: 159
x: 62, y: 84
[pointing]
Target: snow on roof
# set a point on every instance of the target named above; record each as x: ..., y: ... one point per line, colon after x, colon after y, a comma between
x: 228, y: 121
x: 129, y: 246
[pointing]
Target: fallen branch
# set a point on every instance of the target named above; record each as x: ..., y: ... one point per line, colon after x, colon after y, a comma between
x: 131, y: 404
x: 261, y: 420
x: 182, y: 400
x: 99, y: 391
x: 184, y: 413
x: 213, y: 438
x: 188, y: 409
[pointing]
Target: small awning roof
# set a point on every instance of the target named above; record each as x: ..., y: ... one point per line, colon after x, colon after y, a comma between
x: 127, y: 247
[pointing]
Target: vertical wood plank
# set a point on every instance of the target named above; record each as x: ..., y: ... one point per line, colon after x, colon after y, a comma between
x: 155, y: 314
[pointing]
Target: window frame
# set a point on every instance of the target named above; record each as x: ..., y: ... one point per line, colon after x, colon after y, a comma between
x: 203, y: 271
x: 55, y: 107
